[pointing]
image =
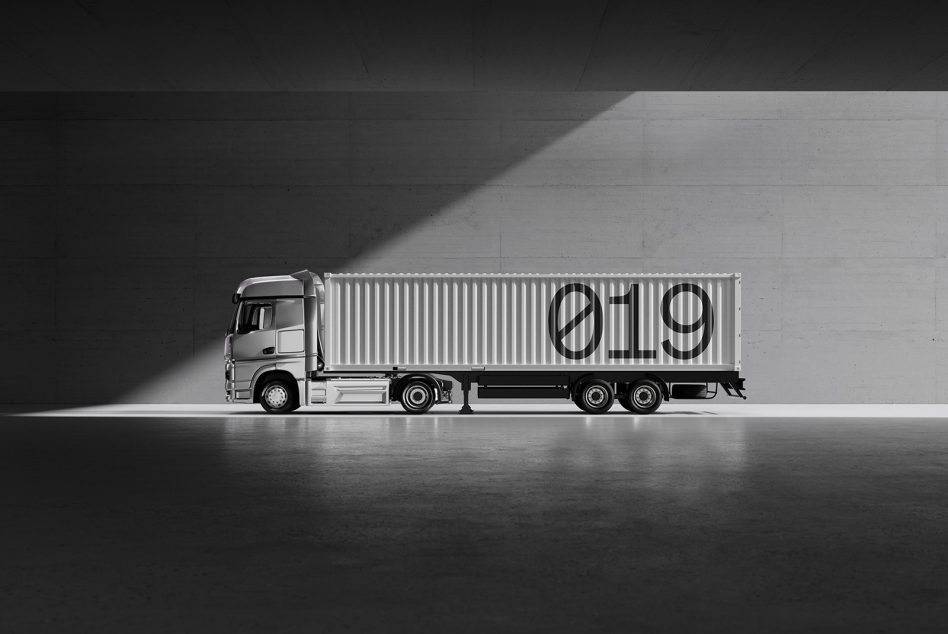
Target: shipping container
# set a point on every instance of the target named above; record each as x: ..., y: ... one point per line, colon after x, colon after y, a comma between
x: 525, y: 321
x: 351, y: 338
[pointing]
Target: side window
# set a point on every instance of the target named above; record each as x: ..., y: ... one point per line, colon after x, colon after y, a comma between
x: 255, y: 316
x: 288, y: 313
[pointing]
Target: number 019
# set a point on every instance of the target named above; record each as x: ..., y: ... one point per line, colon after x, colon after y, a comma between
x: 593, y: 310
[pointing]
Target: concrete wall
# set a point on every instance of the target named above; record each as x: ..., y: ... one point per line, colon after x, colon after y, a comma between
x: 128, y: 219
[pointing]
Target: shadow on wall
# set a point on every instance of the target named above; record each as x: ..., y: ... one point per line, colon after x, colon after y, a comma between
x: 140, y: 213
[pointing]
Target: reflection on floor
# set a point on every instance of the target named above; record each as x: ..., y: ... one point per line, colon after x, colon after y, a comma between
x: 695, y: 408
x: 709, y: 517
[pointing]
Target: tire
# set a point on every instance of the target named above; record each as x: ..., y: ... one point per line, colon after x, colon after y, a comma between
x: 417, y: 396
x: 595, y: 396
x: 278, y: 397
x: 642, y: 397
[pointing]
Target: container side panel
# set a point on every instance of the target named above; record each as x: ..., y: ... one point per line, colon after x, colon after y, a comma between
x: 519, y: 321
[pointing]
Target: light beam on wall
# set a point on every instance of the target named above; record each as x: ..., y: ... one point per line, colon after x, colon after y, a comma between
x: 534, y: 145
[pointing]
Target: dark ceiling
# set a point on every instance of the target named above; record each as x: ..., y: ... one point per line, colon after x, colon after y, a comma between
x: 473, y: 45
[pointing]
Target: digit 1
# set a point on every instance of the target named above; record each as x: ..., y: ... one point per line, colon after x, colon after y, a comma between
x: 631, y: 299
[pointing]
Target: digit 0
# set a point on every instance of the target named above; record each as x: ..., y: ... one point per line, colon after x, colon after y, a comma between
x: 558, y: 334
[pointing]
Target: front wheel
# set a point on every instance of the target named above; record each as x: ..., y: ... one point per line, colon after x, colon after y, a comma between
x: 278, y: 397
x: 417, y: 396
x: 642, y: 397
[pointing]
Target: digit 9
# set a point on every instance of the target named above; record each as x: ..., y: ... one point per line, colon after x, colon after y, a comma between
x: 705, y: 321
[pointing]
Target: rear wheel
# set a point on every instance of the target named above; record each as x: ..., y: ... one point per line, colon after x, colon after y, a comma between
x: 595, y: 396
x: 642, y: 397
x: 417, y: 396
x: 278, y: 397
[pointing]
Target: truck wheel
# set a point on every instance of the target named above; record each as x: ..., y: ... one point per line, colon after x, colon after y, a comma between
x: 595, y: 397
x: 642, y: 397
x: 278, y: 397
x: 417, y: 396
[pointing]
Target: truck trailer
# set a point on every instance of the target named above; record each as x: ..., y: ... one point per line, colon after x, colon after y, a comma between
x: 347, y: 339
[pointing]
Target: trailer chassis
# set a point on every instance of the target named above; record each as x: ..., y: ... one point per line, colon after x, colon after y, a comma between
x: 557, y: 384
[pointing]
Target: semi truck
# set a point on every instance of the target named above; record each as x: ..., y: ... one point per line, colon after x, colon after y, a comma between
x: 349, y: 339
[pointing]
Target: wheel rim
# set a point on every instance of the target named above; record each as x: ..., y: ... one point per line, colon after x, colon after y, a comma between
x: 416, y: 396
x: 276, y: 396
x: 595, y: 396
x: 644, y: 396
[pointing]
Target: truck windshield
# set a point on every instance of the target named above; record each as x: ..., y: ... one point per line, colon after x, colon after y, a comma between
x: 233, y: 320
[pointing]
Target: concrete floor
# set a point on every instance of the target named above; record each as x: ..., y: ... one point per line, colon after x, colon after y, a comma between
x: 135, y: 519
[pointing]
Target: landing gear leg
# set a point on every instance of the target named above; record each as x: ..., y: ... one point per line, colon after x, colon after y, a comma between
x: 466, y: 388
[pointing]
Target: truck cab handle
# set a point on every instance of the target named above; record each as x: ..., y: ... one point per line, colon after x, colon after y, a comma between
x: 269, y: 350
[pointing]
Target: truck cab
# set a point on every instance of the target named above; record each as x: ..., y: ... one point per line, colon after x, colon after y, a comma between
x: 270, y: 348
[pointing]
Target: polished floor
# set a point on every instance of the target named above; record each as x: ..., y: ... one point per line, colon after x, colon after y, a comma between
x: 776, y: 519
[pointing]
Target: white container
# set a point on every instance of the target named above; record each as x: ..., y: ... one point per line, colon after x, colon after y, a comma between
x: 532, y: 321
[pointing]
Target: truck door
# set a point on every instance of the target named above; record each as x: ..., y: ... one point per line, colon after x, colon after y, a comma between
x: 254, y: 339
x: 267, y: 331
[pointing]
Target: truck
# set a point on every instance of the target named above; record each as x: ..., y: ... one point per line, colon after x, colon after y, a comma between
x: 350, y: 339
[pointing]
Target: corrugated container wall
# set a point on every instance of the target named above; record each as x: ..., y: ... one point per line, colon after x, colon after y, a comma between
x: 526, y: 321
